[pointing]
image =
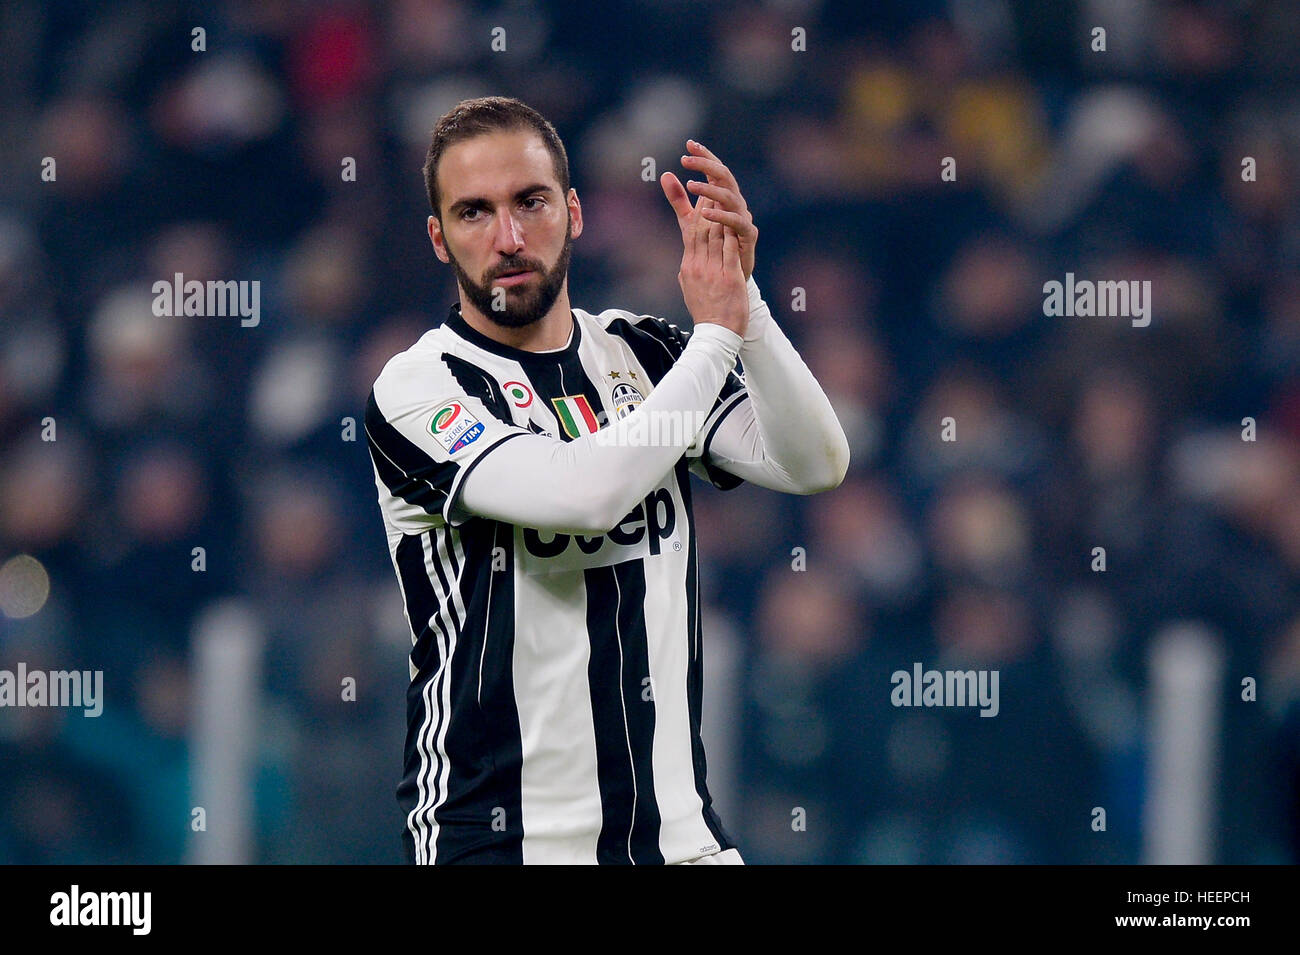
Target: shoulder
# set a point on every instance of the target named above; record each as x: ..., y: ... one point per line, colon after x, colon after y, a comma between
x: 418, y: 371
x: 638, y: 329
x: 425, y: 358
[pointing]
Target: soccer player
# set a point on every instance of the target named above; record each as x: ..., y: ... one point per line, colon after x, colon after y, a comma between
x: 532, y: 461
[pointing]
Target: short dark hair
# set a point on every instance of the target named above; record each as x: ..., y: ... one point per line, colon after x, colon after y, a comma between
x: 487, y: 114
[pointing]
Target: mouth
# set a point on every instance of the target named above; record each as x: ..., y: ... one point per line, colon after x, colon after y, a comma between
x: 513, y: 278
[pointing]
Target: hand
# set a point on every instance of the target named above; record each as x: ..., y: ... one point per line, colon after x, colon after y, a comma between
x: 711, y: 277
x: 720, y: 199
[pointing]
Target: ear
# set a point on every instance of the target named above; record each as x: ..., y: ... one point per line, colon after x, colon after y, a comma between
x: 435, y: 236
x: 575, y: 211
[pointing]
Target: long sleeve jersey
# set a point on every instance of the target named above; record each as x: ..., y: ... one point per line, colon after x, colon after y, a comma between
x: 538, y: 513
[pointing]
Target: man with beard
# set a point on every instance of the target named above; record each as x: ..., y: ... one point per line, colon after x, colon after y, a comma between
x: 545, y: 549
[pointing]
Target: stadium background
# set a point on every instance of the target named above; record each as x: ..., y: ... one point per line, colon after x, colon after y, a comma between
x: 924, y: 300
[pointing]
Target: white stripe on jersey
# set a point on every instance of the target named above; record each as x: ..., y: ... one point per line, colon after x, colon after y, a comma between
x: 416, y: 820
x: 452, y: 626
x: 622, y: 698
x: 487, y: 618
x: 432, y: 794
x: 411, y: 817
x: 683, y: 832
x: 561, y: 797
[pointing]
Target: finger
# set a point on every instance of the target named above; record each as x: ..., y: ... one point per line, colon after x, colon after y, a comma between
x: 732, y: 220
x: 688, y: 242
x: 699, y: 148
x: 730, y: 250
x: 721, y: 186
x: 714, y: 229
x: 701, y: 158
x: 702, y: 205
x: 721, y: 195
x: 711, y: 166
x: 706, y: 227
x: 677, y: 198
x: 697, y: 228
x: 716, y: 239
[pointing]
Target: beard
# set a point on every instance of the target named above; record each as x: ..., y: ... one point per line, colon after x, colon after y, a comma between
x: 523, y: 304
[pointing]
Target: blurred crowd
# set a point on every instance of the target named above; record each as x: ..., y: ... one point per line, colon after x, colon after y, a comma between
x: 924, y: 301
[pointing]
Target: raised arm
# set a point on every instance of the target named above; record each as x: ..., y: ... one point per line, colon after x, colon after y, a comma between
x: 784, y: 434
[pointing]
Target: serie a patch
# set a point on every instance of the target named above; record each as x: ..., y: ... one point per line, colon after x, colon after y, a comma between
x: 454, y: 427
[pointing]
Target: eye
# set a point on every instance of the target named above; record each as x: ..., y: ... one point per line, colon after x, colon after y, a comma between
x: 466, y: 212
x: 534, y: 199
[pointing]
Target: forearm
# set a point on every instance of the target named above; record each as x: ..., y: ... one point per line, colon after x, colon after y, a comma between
x: 788, y: 438
x: 587, y: 485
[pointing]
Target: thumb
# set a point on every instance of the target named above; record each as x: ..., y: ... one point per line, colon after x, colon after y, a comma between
x: 678, y: 198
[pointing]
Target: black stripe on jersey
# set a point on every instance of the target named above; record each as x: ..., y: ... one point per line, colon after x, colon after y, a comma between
x: 658, y: 344
x: 695, y: 673
x: 722, y: 480
x: 421, y: 760
x: 654, y: 354
x: 489, y: 598
x: 479, y: 811
x: 732, y: 403
x: 623, y: 720
x: 479, y: 384
x: 406, y: 470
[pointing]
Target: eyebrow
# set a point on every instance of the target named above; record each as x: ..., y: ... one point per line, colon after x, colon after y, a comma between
x: 474, y: 202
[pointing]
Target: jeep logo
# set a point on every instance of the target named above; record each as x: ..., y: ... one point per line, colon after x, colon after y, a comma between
x: 655, y: 517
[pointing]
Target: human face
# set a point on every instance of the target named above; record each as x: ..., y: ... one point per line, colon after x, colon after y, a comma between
x: 503, y: 213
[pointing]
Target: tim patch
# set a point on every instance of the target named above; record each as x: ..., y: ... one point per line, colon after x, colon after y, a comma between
x: 454, y: 427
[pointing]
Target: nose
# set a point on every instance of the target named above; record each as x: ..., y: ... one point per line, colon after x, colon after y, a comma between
x: 509, y: 237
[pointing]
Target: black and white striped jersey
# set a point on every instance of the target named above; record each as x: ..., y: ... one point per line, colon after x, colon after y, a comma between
x: 555, y: 695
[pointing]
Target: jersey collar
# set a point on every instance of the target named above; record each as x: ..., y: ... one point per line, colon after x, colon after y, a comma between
x: 456, y: 322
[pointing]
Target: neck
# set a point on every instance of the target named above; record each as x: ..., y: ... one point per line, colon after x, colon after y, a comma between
x: 548, y: 333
